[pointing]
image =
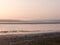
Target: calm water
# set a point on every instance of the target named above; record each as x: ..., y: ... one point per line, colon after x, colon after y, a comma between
x: 34, y: 28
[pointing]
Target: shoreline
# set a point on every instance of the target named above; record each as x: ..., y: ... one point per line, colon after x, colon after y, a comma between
x: 24, y: 32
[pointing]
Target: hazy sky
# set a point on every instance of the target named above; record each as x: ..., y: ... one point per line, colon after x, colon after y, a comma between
x: 30, y: 9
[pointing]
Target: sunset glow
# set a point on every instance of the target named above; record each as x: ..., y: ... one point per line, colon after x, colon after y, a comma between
x: 30, y: 9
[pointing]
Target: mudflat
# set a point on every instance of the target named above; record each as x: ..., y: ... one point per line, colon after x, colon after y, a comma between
x: 31, y: 39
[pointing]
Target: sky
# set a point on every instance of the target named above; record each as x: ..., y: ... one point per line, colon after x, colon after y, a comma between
x: 30, y: 9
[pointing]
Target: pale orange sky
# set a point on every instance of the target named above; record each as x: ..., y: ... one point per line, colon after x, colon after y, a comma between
x: 30, y: 9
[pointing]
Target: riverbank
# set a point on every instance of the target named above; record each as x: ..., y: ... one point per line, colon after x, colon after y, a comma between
x: 31, y: 39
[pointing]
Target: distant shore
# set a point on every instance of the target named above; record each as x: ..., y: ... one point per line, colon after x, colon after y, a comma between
x: 33, y: 23
x: 10, y: 21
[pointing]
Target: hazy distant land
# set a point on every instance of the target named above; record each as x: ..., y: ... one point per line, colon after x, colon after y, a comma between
x: 30, y: 22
